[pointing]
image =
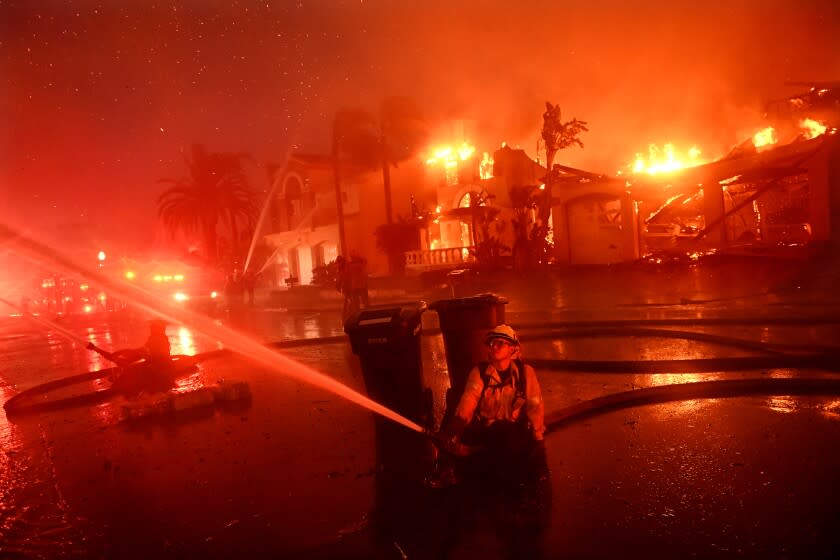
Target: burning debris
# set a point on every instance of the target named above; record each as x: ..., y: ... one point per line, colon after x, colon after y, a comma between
x: 768, y: 192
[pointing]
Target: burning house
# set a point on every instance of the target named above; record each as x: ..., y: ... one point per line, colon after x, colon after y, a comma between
x: 594, y: 218
x: 465, y: 205
x: 774, y: 191
x: 781, y: 197
x: 305, y: 230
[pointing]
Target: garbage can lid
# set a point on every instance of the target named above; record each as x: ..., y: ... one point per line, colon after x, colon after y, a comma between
x: 384, y: 315
x: 479, y: 300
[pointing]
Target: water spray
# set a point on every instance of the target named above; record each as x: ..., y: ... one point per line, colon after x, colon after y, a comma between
x: 257, y: 227
x: 69, y: 335
x: 257, y: 230
x: 269, y: 260
x: 159, y: 307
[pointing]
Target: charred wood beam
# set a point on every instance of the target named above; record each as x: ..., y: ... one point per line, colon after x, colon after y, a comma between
x: 749, y: 200
x: 768, y: 174
x: 676, y: 198
x: 580, y: 173
x: 779, y: 174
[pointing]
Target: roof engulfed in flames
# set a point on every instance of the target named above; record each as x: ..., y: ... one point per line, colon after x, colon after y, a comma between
x: 668, y: 159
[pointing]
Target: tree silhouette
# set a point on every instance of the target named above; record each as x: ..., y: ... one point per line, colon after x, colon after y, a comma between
x: 395, y: 239
x: 530, y: 247
x: 214, y: 190
x: 556, y: 135
x: 402, y: 131
x: 353, y: 134
x: 367, y: 142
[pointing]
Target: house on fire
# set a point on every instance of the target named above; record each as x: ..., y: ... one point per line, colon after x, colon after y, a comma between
x: 758, y: 198
x: 783, y: 197
x: 776, y: 191
x: 441, y: 195
x: 750, y: 201
x: 304, y: 219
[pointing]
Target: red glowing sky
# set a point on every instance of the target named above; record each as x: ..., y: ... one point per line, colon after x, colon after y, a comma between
x: 100, y: 98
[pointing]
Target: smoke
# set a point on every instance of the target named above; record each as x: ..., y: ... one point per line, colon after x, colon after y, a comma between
x: 101, y: 97
x: 638, y: 73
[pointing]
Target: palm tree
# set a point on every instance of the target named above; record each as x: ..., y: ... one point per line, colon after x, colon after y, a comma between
x: 351, y: 135
x: 557, y: 135
x: 395, y: 239
x: 214, y: 190
x: 530, y: 247
x: 402, y: 131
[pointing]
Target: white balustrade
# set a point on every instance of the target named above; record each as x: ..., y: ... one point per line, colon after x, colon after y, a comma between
x: 438, y: 258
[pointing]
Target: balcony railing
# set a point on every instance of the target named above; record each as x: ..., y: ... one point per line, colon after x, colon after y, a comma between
x: 438, y: 258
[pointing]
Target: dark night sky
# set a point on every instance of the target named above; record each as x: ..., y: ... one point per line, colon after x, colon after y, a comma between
x: 99, y: 98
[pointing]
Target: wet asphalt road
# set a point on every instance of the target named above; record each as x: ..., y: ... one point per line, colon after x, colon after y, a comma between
x: 292, y: 473
x: 744, y: 477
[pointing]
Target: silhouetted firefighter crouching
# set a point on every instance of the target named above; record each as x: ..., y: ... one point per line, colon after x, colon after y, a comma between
x: 147, y: 368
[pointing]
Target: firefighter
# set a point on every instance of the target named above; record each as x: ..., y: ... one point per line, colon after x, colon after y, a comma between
x: 145, y: 368
x: 500, y: 419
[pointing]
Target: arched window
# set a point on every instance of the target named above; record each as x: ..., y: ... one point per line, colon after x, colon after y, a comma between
x: 472, y: 197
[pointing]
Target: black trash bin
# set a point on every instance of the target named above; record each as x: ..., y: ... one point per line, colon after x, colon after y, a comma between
x: 386, y: 338
x: 387, y: 341
x: 464, y: 323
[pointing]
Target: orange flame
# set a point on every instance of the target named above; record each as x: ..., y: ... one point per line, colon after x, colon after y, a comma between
x: 485, y: 168
x: 764, y: 137
x: 666, y: 159
x: 449, y: 156
x: 812, y: 128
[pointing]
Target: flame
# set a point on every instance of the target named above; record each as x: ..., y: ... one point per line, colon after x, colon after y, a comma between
x: 812, y: 128
x: 764, y: 137
x: 666, y: 159
x: 449, y: 156
x: 485, y: 168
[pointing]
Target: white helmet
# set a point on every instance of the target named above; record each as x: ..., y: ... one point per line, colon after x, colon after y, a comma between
x: 502, y: 332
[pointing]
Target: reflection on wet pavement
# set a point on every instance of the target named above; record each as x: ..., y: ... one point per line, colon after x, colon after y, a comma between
x: 295, y: 473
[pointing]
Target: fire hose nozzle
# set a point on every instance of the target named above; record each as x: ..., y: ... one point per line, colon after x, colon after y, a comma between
x: 450, y: 446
